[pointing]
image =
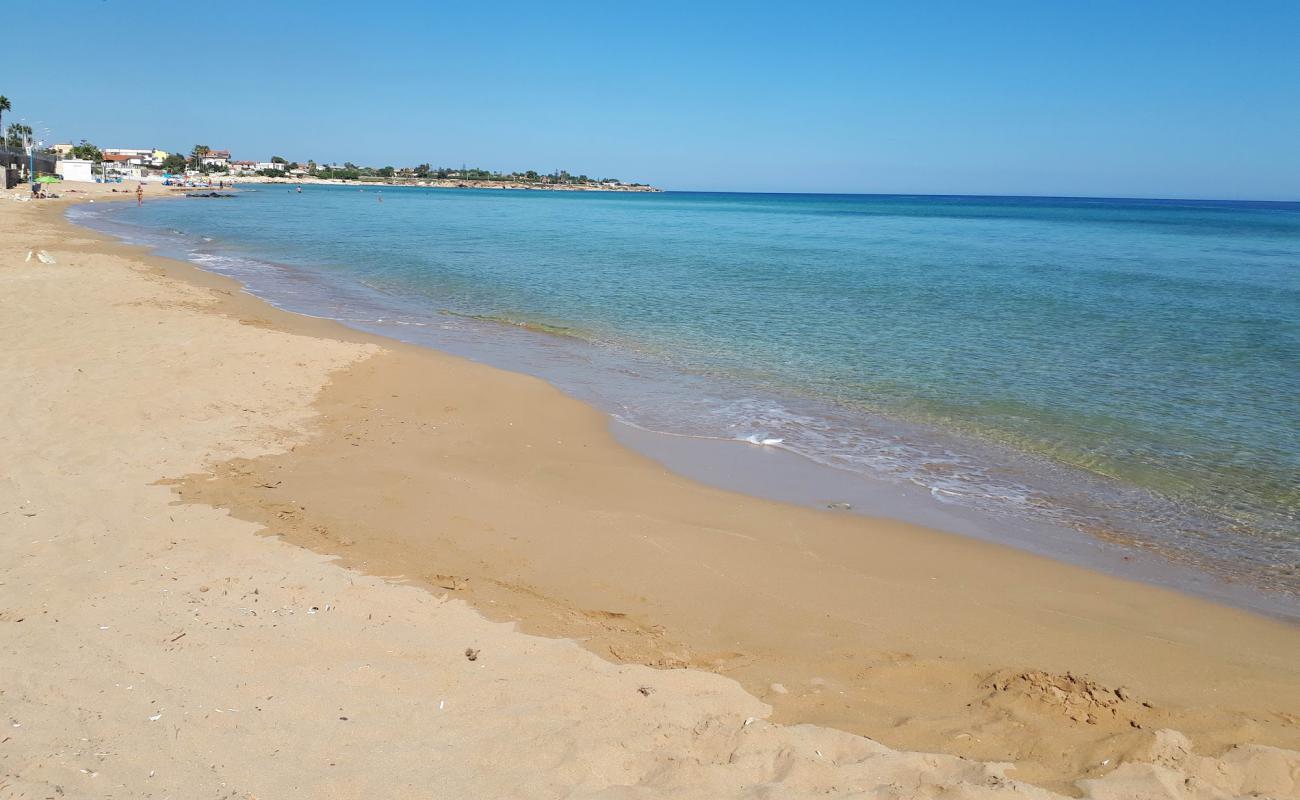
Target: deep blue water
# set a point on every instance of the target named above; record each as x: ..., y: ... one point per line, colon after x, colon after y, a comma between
x: 1128, y: 367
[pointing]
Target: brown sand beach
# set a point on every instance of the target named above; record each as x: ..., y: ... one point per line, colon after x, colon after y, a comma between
x: 245, y: 553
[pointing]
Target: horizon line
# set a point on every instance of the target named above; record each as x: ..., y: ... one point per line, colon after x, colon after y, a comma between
x: 1188, y: 199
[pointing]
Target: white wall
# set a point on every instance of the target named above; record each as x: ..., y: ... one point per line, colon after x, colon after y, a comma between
x: 75, y: 169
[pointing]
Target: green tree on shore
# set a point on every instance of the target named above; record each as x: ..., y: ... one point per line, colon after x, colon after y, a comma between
x: 174, y: 163
x: 197, y: 154
x: 87, y: 151
x: 4, y: 106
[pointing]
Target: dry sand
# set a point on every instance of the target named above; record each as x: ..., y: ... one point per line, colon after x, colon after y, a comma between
x: 156, y: 648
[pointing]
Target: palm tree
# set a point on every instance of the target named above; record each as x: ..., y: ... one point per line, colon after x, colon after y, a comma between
x: 4, y: 106
x: 199, y: 151
x: 17, y: 133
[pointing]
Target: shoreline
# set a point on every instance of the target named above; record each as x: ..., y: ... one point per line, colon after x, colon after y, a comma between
x: 424, y: 465
x: 793, y: 478
x: 784, y: 473
x: 146, y: 376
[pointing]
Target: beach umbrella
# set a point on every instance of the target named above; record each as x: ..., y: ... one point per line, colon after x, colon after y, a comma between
x: 48, y: 179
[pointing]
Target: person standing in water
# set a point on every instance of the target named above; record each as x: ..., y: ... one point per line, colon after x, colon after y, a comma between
x: 139, y: 194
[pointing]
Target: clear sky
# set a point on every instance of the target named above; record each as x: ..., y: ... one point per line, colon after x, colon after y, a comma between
x: 1132, y: 98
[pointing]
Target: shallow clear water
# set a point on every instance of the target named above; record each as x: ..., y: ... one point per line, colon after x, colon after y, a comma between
x: 1127, y: 367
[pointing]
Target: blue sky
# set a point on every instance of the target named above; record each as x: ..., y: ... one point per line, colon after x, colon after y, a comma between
x: 1167, y: 99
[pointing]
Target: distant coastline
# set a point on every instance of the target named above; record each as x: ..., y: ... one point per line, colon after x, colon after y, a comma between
x: 205, y: 164
x: 449, y: 183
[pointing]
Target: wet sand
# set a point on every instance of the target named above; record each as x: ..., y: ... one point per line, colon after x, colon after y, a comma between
x: 498, y: 488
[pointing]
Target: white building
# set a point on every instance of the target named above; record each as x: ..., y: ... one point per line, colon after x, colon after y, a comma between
x: 76, y: 169
x: 217, y: 158
x: 124, y: 160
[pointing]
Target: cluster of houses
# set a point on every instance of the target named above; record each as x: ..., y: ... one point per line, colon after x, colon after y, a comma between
x: 135, y: 157
x: 220, y: 159
x: 254, y: 167
x: 118, y: 163
x: 127, y: 163
x: 140, y: 164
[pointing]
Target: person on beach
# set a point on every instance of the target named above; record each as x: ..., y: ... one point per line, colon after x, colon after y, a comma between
x: 139, y: 194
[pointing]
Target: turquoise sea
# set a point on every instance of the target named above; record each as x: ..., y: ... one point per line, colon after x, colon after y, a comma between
x: 1129, y: 368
